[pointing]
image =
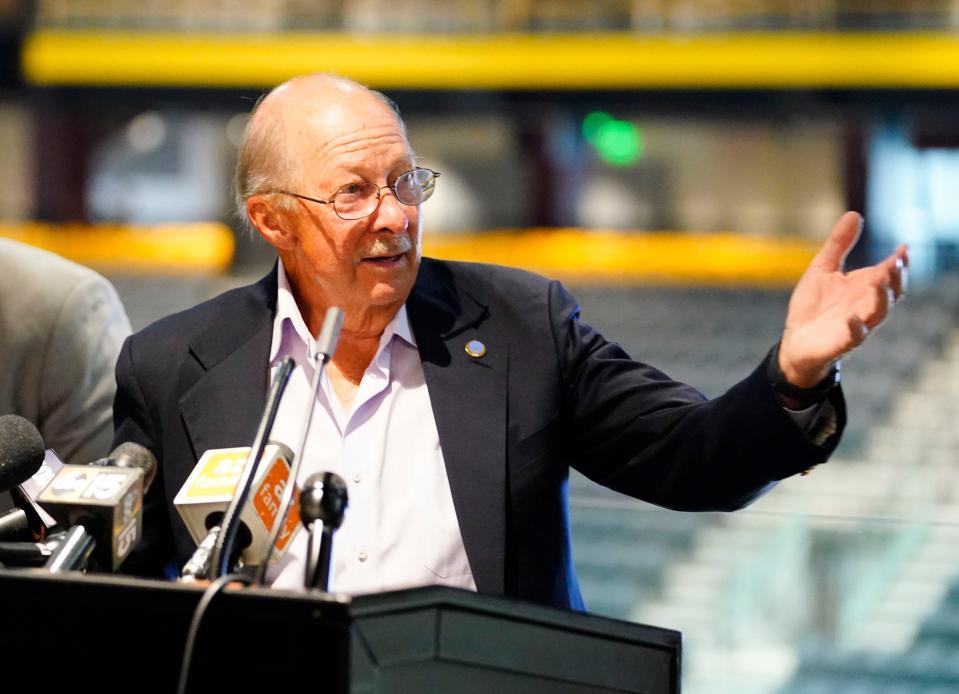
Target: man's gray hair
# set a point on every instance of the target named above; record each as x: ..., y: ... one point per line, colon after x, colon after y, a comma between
x: 262, y: 153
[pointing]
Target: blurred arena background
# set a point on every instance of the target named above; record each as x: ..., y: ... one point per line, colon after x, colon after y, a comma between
x: 676, y: 162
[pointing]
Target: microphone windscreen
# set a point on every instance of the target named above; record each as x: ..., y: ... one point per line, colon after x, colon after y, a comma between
x: 324, y: 498
x: 133, y: 455
x: 21, y: 451
x: 330, y: 332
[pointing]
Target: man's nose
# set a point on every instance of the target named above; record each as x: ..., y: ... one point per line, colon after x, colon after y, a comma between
x: 391, y: 213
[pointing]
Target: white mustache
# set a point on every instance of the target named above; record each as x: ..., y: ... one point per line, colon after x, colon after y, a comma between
x: 388, y: 244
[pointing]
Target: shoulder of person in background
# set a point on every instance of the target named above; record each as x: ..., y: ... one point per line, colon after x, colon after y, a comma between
x: 61, y: 328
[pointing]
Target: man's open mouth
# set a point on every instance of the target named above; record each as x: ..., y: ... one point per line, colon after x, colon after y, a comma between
x: 384, y: 259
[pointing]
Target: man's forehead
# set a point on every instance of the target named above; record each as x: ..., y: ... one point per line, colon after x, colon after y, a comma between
x: 342, y: 121
x: 358, y: 146
x: 330, y: 123
x: 337, y: 124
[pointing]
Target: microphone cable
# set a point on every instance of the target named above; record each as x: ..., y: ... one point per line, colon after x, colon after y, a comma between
x: 190, y: 646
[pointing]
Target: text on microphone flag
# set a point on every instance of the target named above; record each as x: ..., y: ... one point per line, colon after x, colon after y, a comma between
x: 218, y: 473
x: 268, y: 497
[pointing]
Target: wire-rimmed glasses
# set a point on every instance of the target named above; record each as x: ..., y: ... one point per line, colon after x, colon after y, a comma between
x: 358, y: 200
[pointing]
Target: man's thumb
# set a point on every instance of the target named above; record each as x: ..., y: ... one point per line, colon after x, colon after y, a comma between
x: 839, y: 242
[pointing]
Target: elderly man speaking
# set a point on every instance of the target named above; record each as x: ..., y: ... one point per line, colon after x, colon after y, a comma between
x: 460, y: 394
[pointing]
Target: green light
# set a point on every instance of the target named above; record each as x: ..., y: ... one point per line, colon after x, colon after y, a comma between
x: 618, y: 142
x: 592, y: 124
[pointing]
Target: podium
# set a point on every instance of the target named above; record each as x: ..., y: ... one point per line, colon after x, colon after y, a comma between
x: 117, y: 634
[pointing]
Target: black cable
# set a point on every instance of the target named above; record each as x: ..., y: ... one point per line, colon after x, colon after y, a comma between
x: 198, y: 614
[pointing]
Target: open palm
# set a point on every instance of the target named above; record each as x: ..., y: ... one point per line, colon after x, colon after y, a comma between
x: 831, y: 312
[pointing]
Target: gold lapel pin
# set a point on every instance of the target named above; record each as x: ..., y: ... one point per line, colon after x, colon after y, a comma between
x: 475, y: 349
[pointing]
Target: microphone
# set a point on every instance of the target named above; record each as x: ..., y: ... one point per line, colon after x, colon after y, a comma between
x: 15, y: 524
x: 325, y: 347
x: 329, y: 334
x: 223, y: 546
x: 132, y: 456
x: 27, y: 520
x: 203, y: 498
x: 200, y: 563
x: 30, y: 554
x: 322, y: 506
x: 102, y: 505
x: 21, y: 460
x: 21, y: 451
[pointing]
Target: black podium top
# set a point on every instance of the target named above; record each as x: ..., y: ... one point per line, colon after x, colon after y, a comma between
x: 109, y: 633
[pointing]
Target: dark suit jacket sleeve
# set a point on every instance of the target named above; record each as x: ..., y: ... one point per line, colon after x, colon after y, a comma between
x: 134, y: 422
x: 638, y: 432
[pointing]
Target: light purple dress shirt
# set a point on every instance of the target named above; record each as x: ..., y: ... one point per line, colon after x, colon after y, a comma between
x: 400, y: 529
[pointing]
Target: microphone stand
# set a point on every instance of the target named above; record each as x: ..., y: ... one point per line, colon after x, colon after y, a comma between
x: 29, y: 553
x: 199, y: 564
x: 325, y: 347
x: 73, y: 551
x: 226, y: 539
x: 318, y: 563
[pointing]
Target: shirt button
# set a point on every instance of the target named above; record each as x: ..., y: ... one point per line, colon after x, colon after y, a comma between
x: 357, y: 477
x: 362, y: 555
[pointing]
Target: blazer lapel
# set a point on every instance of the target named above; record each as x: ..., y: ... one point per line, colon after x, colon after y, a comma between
x: 222, y: 408
x: 469, y: 398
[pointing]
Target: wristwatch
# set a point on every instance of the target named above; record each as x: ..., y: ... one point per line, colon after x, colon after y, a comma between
x: 806, y: 397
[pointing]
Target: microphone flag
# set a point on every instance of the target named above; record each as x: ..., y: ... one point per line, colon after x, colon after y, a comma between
x: 212, y: 483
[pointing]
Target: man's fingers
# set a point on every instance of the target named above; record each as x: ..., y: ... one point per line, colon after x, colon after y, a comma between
x: 840, y: 240
x: 896, y: 269
x: 902, y: 255
x: 870, y: 293
x: 897, y: 280
x: 879, y: 307
x: 858, y: 331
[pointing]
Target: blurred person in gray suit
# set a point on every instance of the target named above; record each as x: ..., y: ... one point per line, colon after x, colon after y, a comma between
x: 61, y: 328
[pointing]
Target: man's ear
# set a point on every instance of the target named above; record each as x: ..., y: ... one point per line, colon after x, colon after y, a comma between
x: 274, y: 226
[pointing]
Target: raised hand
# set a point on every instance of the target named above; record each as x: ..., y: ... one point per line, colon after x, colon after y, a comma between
x: 831, y: 312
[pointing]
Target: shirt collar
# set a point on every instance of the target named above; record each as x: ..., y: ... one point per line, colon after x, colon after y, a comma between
x: 288, y: 314
x: 287, y: 317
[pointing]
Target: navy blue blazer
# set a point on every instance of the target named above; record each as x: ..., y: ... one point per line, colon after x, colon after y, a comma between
x: 549, y: 394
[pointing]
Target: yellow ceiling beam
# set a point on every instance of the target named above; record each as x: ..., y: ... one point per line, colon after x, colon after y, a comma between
x: 574, y: 255
x: 520, y: 61
x: 634, y: 257
x: 184, y: 248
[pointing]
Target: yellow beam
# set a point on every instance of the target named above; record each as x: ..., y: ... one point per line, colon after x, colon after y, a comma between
x: 522, y: 61
x: 623, y: 257
x: 574, y: 255
x: 161, y: 249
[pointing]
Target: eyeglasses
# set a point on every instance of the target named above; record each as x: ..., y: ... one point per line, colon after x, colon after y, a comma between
x: 359, y: 200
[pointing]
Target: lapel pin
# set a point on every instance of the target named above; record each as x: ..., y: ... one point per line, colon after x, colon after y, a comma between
x: 475, y: 349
